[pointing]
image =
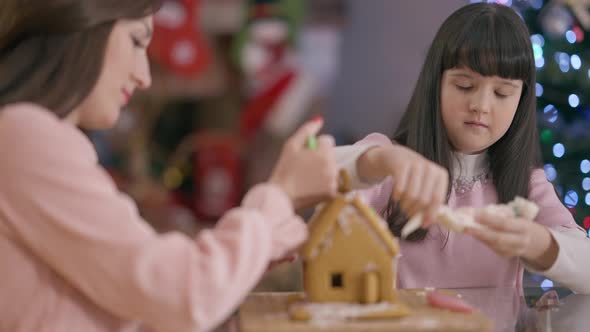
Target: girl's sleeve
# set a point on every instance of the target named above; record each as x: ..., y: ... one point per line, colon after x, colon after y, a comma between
x: 570, y: 268
x: 375, y: 193
x: 64, y: 208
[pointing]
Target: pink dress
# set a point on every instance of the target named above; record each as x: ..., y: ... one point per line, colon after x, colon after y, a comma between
x: 451, y: 260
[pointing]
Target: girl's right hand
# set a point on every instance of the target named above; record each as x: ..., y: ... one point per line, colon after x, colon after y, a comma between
x: 419, y: 185
x: 307, y: 176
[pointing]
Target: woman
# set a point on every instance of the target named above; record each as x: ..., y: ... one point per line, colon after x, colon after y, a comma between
x: 75, y: 254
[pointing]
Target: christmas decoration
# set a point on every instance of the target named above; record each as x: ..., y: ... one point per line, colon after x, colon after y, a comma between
x: 178, y: 43
x: 278, y: 91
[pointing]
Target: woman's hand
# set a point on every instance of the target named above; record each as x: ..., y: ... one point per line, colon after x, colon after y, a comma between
x: 418, y: 183
x: 517, y: 237
x: 308, y: 176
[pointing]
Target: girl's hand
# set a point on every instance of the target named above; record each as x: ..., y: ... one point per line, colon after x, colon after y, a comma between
x: 418, y: 183
x: 308, y: 176
x: 517, y: 237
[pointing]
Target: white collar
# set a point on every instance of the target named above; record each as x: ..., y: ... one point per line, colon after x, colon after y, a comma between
x: 469, y: 166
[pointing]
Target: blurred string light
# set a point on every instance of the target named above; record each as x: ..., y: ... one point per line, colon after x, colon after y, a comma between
x: 537, y: 50
x: 585, y: 166
x: 586, y: 186
x: 576, y: 61
x: 538, y: 39
x: 570, y: 36
x: 550, y: 113
x: 563, y: 60
x: 571, y: 198
x: 538, y: 90
x: 579, y: 33
x: 573, y: 100
x: 587, y: 200
x: 536, y: 4
x: 550, y: 172
x: 546, y: 284
x: 546, y: 136
x: 558, y: 150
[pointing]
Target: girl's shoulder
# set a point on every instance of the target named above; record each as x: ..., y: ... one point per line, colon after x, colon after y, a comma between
x: 374, y: 138
x: 538, y: 176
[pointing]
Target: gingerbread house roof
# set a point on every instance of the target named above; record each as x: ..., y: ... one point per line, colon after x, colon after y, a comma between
x: 321, y: 225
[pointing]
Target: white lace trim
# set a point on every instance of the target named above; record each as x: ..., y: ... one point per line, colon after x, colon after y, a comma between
x: 470, y: 172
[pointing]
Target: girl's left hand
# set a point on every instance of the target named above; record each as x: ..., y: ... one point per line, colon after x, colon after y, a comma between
x: 516, y: 237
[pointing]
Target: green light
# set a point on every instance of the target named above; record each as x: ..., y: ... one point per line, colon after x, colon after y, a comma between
x: 546, y: 136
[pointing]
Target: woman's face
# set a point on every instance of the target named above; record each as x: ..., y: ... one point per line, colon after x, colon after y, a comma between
x: 125, y: 69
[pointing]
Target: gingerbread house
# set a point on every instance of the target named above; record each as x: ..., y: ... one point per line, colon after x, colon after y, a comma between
x: 350, y: 256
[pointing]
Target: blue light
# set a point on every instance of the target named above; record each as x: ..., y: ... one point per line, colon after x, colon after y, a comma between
x: 547, y: 284
x: 574, y: 100
x: 587, y: 199
x: 586, y: 184
x: 538, y: 90
x: 576, y: 61
x: 550, y: 113
x: 571, y: 199
x: 563, y: 60
x: 538, y: 39
x: 537, y: 51
x: 558, y: 150
x: 550, y: 172
x: 570, y: 36
x: 537, y: 4
x: 585, y: 166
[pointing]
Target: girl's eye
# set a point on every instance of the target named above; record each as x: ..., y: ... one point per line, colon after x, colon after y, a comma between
x: 464, y: 87
x: 501, y: 95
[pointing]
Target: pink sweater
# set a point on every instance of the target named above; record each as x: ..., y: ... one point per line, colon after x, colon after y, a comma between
x: 76, y: 256
x: 451, y: 260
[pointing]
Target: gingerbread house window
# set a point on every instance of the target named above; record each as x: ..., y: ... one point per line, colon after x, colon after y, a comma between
x: 337, y: 281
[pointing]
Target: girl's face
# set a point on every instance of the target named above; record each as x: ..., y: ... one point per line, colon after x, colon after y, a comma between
x: 125, y: 69
x: 477, y: 110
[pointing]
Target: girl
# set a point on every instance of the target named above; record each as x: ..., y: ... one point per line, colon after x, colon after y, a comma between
x: 74, y: 253
x: 471, y: 119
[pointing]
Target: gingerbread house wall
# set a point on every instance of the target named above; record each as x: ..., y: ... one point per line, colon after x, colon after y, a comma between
x: 350, y: 249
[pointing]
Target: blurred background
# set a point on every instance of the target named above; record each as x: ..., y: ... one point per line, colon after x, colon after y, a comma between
x: 233, y: 78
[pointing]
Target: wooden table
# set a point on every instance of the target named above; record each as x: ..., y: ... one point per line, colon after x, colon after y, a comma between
x: 267, y: 312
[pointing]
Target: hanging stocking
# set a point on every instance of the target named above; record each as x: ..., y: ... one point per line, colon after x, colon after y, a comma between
x: 177, y: 43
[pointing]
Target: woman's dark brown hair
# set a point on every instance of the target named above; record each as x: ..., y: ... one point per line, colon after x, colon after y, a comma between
x: 51, y: 51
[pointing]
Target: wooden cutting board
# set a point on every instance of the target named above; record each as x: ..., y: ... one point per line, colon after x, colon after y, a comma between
x: 267, y: 312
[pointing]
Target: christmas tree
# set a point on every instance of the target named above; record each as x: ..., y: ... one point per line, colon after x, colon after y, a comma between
x: 562, y: 58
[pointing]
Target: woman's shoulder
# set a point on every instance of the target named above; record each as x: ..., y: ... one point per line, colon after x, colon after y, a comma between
x: 23, y: 118
x: 27, y: 128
